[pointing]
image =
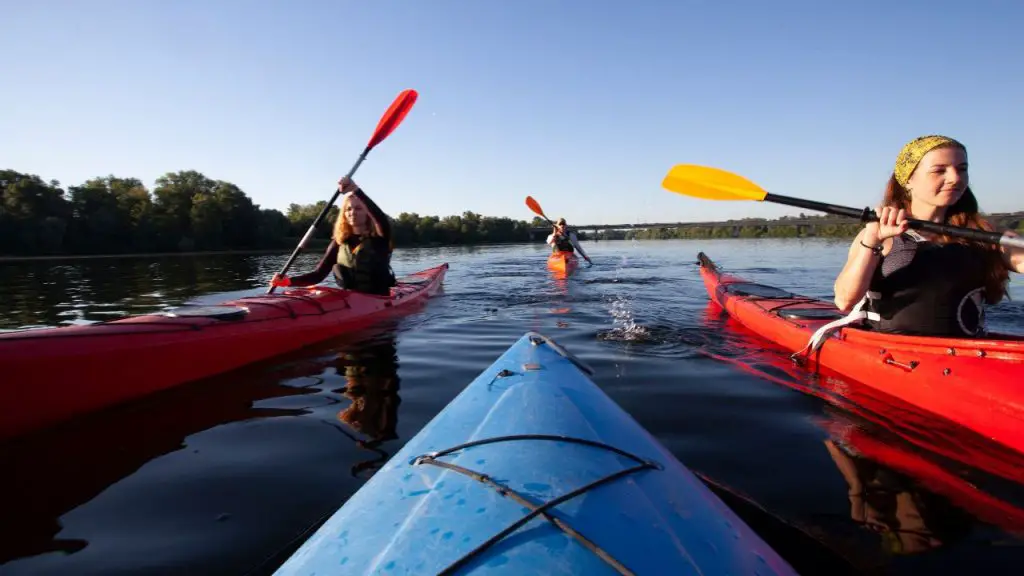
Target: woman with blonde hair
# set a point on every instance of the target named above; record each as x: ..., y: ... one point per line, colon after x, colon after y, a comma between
x: 360, y: 250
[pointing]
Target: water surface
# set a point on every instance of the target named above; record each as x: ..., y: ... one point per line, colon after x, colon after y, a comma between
x: 227, y: 475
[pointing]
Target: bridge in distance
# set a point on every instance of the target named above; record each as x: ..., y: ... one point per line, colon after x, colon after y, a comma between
x: 1010, y: 220
x: 650, y: 225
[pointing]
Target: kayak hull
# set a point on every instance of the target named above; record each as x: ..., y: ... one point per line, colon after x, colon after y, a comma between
x: 563, y: 262
x: 975, y: 383
x: 534, y: 426
x: 54, y: 374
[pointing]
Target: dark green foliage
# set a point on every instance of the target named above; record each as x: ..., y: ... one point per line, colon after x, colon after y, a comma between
x: 188, y: 211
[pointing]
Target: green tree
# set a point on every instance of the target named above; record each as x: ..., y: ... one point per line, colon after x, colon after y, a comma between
x: 109, y: 213
x: 34, y: 214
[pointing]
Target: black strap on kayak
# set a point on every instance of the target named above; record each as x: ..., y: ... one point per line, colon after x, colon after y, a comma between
x: 535, y: 510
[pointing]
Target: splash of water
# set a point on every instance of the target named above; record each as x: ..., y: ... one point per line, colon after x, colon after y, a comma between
x: 625, y: 326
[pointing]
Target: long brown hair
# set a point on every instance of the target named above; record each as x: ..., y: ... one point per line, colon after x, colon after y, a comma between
x: 964, y: 213
x: 343, y: 230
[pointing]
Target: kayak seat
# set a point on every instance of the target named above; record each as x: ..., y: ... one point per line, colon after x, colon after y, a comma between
x: 219, y: 312
x: 810, y: 313
x: 754, y: 289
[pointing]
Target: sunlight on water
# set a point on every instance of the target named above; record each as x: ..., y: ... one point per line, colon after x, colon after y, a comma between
x: 222, y: 477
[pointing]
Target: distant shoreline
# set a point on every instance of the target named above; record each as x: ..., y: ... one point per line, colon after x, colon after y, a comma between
x: 749, y: 230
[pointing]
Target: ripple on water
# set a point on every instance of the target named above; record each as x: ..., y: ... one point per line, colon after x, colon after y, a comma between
x: 222, y: 477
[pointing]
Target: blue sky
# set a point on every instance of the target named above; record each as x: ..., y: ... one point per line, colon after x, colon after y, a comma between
x: 583, y: 104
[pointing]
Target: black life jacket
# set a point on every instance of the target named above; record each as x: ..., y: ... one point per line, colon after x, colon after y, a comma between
x: 928, y: 289
x: 562, y: 243
x: 364, y: 265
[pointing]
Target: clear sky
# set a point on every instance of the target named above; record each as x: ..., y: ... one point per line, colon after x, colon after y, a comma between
x: 583, y: 104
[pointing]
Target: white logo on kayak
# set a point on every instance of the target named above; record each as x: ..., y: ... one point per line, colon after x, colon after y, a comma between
x: 975, y: 298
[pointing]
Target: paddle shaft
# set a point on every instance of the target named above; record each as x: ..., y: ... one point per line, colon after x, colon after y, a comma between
x: 319, y: 218
x: 869, y: 215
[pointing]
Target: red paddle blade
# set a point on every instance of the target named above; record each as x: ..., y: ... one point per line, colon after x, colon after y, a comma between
x: 393, y: 117
x: 533, y: 205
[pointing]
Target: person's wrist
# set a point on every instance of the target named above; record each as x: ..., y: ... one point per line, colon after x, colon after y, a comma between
x: 871, y: 235
x: 875, y: 248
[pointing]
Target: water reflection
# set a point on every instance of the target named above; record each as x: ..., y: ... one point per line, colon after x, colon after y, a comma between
x: 53, y: 293
x: 923, y: 490
x: 51, y: 473
x: 207, y: 498
x: 560, y: 278
x: 918, y: 481
x: 907, y: 519
x: 371, y: 385
x: 753, y: 354
x: 351, y: 384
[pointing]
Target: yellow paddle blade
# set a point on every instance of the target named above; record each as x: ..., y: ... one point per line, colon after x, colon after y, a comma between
x: 711, y: 184
x: 533, y: 205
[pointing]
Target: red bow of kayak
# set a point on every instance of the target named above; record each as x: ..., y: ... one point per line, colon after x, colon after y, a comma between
x: 54, y: 374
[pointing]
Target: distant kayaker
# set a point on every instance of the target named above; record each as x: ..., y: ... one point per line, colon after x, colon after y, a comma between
x: 909, y: 282
x: 563, y: 239
x: 360, y: 250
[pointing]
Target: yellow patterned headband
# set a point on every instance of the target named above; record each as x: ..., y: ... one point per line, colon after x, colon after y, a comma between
x: 915, y: 150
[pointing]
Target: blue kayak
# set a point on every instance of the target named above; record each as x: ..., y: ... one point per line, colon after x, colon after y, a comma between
x: 532, y: 469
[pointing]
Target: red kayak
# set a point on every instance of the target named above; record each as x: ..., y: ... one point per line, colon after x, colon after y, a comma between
x: 563, y: 262
x: 975, y: 383
x: 54, y: 374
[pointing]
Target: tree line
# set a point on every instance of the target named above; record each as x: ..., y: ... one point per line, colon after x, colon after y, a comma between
x: 188, y: 211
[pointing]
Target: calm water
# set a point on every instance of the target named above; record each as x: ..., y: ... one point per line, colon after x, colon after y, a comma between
x: 226, y: 476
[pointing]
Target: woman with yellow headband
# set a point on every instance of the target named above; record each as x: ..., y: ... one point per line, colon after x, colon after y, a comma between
x: 908, y: 282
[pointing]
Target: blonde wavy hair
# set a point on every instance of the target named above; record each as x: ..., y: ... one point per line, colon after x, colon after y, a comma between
x: 343, y: 230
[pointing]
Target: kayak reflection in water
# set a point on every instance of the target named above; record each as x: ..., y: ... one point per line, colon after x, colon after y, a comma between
x: 372, y: 383
x: 360, y: 250
x: 907, y: 282
x: 563, y: 239
x: 909, y: 520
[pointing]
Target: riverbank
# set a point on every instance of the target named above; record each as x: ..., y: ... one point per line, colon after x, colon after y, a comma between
x: 842, y: 229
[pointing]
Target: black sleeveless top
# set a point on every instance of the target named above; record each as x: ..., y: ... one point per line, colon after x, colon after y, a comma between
x: 363, y: 264
x: 562, y: 243
x: 929, y: 289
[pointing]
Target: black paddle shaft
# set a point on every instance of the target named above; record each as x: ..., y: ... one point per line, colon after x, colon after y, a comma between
x: 865, y: 215
x: 869, y: 215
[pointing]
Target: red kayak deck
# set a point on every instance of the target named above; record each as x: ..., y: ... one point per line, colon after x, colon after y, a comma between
x: 976, y: 383
x: 563, y: 262
x: 53, y: 374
